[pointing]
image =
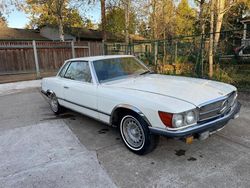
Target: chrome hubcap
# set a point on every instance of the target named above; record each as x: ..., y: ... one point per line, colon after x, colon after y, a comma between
x: 132, y: 132
x: 54, y: 104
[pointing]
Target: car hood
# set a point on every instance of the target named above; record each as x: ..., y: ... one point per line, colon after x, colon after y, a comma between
x: 192, y: 90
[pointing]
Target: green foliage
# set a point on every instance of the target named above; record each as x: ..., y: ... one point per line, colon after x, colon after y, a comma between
x: 143, y: 29
x: 47, y: 13
x: 223, y: 75
x: 185, y: 19
x: 116, y: 21
x: 71, y: 18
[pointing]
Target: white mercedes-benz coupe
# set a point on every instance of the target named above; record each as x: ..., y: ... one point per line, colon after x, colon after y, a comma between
x: 122, y: 92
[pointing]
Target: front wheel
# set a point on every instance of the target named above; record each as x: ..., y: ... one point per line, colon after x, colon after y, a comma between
x: 54, y: 104
x: 136, y: 135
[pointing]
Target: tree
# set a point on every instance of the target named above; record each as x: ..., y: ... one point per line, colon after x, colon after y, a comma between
x: 87, y: 23
x: 221, y: 7
x: 201, y: 4
x: 116, y: 21
x: 71, y: 18
x: 54, y: 8
x: 185, y: 17
x: 211, y: 39
x: 3, y: 22
x: 154, y: 21
x: 218, y: 8
x: 165, y: 19
x: 143, y: 29
x: 7, y: 5
x: 127, y: 5
x: 103, y: 15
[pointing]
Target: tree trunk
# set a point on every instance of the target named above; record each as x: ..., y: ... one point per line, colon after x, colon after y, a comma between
x: 220, y: 14
x: 103, y: 13
x: 127, y: 9
x: 201, y: 17
x: 61, y: 33
x: 211, y: 39
x: 59, y: 13
x: 202, y: 32
x: 164, y: 32
x: 154, y: 19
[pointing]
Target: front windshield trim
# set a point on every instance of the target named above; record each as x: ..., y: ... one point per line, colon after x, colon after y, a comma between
x: 124, y: 76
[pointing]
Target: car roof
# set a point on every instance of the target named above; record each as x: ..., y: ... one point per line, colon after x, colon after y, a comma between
x: 95, y: 58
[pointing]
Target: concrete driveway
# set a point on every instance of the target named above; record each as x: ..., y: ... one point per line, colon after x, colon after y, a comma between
x: 39, y: 149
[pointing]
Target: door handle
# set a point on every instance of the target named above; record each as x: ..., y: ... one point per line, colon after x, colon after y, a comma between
x: 66, y: 87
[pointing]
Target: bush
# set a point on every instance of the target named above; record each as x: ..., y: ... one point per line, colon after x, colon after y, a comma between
x: 178, y: 69
x: 224, y: 75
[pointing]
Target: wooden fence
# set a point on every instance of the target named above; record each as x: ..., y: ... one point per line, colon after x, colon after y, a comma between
x: 42, y: 56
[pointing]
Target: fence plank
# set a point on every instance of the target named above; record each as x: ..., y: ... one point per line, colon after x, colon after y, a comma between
x: 18, y: 56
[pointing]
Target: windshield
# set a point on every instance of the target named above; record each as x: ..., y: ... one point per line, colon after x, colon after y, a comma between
x: 117, y: 68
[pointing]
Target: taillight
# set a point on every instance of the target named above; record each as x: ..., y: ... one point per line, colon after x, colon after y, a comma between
x: 166, y: 118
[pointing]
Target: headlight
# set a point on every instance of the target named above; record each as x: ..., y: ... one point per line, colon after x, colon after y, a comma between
x: 190, y: 117
x: 177, y: 120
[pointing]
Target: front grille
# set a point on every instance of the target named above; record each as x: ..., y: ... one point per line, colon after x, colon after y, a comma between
x: 218, y: 108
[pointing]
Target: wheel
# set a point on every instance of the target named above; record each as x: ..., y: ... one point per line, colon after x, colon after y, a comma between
x: 136, y: 135
x: 54, y: 104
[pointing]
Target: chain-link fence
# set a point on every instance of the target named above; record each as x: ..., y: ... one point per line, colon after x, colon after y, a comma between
x: 188, y: 55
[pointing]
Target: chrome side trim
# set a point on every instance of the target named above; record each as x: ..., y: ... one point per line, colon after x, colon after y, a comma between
x: 86, y: 107
x: 130, y: 107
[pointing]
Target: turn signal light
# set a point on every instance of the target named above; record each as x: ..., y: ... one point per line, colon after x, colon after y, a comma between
x: 166, y: 118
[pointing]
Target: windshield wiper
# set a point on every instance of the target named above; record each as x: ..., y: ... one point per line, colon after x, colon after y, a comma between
x: 147, y: 71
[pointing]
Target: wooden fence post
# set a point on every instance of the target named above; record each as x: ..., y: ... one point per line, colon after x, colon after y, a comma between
x: 38, y: 75
x: 73, y: 49
x: 156, y: 53
x: 103, y: 47
x: 176, y: 52
x: 89, y: 49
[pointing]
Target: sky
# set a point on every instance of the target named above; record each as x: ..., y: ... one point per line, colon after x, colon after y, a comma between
x: 18, y: 19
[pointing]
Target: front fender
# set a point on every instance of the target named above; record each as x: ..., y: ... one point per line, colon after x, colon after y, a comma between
x: 129, y: 107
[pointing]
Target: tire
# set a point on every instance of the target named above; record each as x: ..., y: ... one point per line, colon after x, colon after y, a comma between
x: 136, y: 135
x: 54, y: 104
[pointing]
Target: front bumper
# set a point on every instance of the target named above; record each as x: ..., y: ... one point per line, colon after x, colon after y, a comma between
x: 210, y: 126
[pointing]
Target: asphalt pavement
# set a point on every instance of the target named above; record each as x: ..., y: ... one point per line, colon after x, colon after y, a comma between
x: 39, y: 149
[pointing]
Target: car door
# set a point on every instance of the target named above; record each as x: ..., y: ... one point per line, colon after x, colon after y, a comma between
x: 79, y: 91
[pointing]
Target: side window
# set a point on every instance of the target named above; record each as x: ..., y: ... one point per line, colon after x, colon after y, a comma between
x: 79, y: 71
x: 63, y: 70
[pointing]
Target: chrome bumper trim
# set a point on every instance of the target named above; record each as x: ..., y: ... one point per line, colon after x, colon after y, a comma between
x: 198, y: 128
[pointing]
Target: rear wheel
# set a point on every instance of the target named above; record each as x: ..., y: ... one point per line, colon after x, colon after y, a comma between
x: 136, y: 135
x: 54, y: 104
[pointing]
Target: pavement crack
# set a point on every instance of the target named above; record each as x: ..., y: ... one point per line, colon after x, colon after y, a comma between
x: 106, y: 147
x: 233, y: 141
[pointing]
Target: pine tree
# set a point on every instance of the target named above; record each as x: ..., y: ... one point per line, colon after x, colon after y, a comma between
x: 185, y: 19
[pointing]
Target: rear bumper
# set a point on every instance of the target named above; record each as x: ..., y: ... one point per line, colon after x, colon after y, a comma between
x: 210, y: 126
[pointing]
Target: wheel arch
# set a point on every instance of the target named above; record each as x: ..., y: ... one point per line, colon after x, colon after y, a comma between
x: 49, y: 92
x: 123, y: 108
